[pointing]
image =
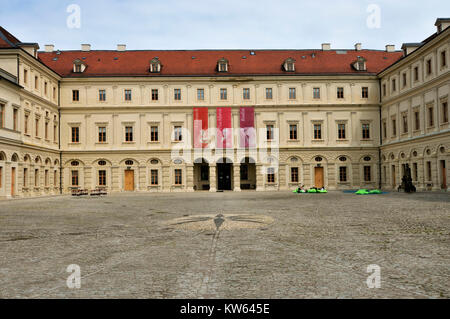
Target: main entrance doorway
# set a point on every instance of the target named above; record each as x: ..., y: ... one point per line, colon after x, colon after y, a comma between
x: 224, y: 171
x: 129, y: 180
x: 318, y: 177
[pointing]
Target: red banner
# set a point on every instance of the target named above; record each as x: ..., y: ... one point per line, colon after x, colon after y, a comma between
x: 247, y: 134
x: 200, y: 127
x: 224, y: 131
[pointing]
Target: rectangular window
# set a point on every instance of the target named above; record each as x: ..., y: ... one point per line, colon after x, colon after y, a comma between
x: 102, y: 95
x: 269, y: 132
x: 26, y: 123
x: 343, y: 173
x: 128, y: 134
x: 292, y: 94
x: 74, y: 178
x: 429, y: 69
x: 444, y: 112
x: 177, y: 94
x: 2, y: 115
x: 384, y: 89
x: 154, y: 133
x: 294, y: 174
x: 55, y: 178
x: 36, y: 82
x: 45, y: 88
x: 414, y: 172
x: 367, y: 173
x: 75, y: 95
x: 317, y: 131
x: 394, y: 127
x: 36, y: 122
x: 200, y: 94
x: 127, y: 95
x: 36, y: 177
x: 25, y: 177
x: 416, y: 120
x: 405, y: 123
x: 54, y: 93
x: 223, y: 94
x: 430, y: 117
x: 365, y: 92
x: 270, y: 175
x: 178, y: 177
x: 316, y: 93
x: 340, y: 93
x: 428, y: 171
x: 154, y: 177
x: 384, y: 129
x: 443, y: 59
x: 246, y: 94
x: 416, y: 73
x: 394, y: 85
x: 269, y: 95
x: 404, y: 79
x: 341, y: 131
x: 365, y: 131
x: 102, y: 134
x: 75, y: 134
x: 293, y: 131
x: 154, y: 94
x: 46, y: 178
x: 25, y: 76
x: 177, y: 133
x: 102, y: 178
x: 55, y: 132
x: 46, y: 130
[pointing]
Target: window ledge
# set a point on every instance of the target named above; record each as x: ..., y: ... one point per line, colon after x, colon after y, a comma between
x: 126, y: 142
x: 153, y: 142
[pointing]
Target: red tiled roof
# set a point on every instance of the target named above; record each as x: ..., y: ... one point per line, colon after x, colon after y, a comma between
x: 7, y: 40
x: 182, y: 63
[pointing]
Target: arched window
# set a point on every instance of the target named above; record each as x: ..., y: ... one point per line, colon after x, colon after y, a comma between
x: 155, y: 65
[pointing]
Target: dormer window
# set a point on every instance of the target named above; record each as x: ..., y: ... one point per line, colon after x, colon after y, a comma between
x: 78, y: 66
x: 360, y: 64
x: 222, y: 65
x: 155, y: 65
x: 289, y: 65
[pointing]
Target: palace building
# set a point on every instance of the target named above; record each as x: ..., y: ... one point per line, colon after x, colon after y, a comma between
x: 208, y: 120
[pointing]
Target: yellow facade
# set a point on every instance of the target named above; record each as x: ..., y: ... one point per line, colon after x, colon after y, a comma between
x: 37, y: 140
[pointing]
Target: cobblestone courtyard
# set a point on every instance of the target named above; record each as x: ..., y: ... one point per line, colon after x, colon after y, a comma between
x: 266, y: 245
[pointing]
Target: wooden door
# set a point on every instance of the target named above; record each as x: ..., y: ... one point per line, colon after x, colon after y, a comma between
x: 444, y: 175
x: 13, y: 181
x: 393, y: 176
x: 129, y: 180
x: 318, y: 177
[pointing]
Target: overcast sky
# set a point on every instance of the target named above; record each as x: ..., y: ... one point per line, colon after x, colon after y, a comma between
x: 230, y: 24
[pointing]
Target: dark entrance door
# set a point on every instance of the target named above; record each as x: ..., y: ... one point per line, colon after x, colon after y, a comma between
x: 224, y: 176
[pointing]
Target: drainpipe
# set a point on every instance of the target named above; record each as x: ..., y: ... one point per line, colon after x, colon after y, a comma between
x: 59, y: 137
x: 381, y: 137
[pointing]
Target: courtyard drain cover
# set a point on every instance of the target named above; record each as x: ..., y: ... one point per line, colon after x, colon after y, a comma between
x: 222, y: 222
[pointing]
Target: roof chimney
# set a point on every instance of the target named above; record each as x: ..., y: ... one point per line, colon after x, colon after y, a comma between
x: 85, y: 47
x: 358, y: 47
x: 442, y: 24
x: 390, y: 48
x: 121, y: 47
x: 49, y: 47
x: 326, y: 47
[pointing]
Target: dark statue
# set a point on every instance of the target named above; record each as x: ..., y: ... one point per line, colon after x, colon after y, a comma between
x: 407, y: 184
